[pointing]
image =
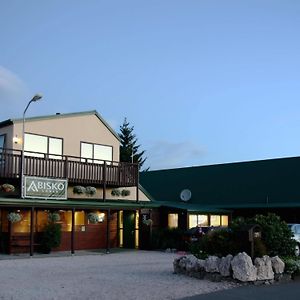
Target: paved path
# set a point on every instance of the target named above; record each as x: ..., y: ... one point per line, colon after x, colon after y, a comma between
x: 284, y: 291
x: 140, y: 275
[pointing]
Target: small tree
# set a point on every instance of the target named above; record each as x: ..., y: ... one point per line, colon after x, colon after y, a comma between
x: 129, y: 150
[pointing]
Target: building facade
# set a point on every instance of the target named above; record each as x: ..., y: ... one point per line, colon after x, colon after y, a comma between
x: 71, y: 168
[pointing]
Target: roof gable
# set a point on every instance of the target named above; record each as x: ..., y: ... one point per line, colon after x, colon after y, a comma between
x: 57, y: 116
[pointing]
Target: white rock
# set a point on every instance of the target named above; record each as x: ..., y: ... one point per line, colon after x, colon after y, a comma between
x: 191, y: 263
x: 243, y: 268
x: 212, y: 264
x: 264, y: 268
x: 277, y: 265
x: 225, y: 265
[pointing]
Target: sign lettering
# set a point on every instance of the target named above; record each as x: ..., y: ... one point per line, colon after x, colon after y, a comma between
x: 45, y: 188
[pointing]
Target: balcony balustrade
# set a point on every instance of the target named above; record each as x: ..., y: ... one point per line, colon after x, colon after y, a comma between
x: 76, y: 169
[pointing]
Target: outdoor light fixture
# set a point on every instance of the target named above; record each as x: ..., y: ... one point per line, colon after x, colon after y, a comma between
x: 16, y: 140
x: 35, y: 98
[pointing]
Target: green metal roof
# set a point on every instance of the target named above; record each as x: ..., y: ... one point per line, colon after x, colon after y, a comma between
x: 56, y: 116
x: 193, y: 207
x: 79, y: 204
x: 264, y: 183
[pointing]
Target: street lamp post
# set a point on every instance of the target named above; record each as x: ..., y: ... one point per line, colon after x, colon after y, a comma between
x: 35, y: 98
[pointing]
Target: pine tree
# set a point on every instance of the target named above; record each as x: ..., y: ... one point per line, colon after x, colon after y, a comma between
x: 129, y: 150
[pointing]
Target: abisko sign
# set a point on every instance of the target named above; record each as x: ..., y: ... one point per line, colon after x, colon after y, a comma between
x: 45, y: 188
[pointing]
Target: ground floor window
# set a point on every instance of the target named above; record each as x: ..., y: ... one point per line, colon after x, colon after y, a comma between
x: 24, y: 224
x: 137, y: 218
x: 198, y: 220
x: 173, y: 220
x: 207, y: 220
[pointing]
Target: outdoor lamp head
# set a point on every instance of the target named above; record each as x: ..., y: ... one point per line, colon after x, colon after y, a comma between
x: 37, y: 97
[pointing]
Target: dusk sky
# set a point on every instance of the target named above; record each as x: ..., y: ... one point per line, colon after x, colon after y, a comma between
x: 202, y: 82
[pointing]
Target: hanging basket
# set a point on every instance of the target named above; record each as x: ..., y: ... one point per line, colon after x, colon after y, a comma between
x: 93, y: 218
x: 53, y: 217
x: 14, y: 217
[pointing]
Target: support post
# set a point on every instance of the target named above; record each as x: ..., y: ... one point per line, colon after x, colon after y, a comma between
x: 104, y: 181
x: 108, y: 232
x: 31, y: 231
x: 73, y: 232
x: 137, y: 184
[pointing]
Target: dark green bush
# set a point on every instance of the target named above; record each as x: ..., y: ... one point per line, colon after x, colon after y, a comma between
x: 276, y: 235
x: 51, y: 237
x: 168, y: 238
x: 276, y: 238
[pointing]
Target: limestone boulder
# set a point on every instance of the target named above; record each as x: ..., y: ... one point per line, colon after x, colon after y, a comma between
x: 212, y: 264
x: 264, y: 268
x: 277, y: 265
x: 243, y: 268
x: 225, y: 265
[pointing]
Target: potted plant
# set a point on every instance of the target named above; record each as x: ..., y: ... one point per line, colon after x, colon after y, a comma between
x: 125, y: 193
x: 7, y: 188
x: 78, y: 189
x: 90, y: 190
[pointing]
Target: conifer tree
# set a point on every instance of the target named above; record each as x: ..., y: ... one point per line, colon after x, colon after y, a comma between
x: 129, y: 150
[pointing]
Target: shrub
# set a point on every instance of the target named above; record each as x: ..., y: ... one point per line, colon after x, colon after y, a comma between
x: 51, y: 237
x: 276, y: 238
x: 168, y: 238
x: 276, y: 235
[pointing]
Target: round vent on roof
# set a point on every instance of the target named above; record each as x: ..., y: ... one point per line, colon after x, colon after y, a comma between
x: 185, y: 195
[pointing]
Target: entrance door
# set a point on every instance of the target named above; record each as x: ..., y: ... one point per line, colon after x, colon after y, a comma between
x: 128, y: 229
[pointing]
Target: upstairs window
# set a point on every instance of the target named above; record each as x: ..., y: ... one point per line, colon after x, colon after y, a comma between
x: 2, y: 142
x: 51, y: 146
x: 95, y: 153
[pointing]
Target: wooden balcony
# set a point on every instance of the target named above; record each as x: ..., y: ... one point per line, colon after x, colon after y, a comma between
x: 77, y: 170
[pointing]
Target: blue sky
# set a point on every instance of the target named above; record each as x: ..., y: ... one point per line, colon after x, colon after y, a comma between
x: 203, y: 82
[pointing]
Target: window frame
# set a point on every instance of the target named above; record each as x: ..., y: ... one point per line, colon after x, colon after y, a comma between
x: 4, y: 141
x: 93, y: 159
x: 59, y: 156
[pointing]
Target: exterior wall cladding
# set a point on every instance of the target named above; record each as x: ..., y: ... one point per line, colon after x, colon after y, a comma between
x: 96, y: 185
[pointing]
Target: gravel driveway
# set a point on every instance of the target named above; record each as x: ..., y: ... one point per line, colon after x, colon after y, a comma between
x: 124, y: 275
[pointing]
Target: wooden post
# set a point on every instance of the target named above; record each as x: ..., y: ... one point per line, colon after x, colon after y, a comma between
x: 108, y: 232
x: 104, y: 181
x: 31, y: 230
x: 137, y: 184
x: 73, y: 232
x: 9, y: 235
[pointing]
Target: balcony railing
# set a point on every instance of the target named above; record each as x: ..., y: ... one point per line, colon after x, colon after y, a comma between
x: 77, y: 170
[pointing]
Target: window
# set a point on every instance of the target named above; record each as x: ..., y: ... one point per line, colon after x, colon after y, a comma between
x: 95, y: 153
x: 44, y: 145
x: 215, y: 220
x: 2, y: 142
x: 224, y: 220
x: 172, y: 220
x: 198, y: 220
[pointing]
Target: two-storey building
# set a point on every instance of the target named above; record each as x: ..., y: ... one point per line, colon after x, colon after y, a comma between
x: 71, y: 167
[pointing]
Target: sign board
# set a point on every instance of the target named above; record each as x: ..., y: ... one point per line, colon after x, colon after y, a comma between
x: 45, y: 188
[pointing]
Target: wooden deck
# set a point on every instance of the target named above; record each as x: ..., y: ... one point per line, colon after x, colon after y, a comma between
x: 75, y: 169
